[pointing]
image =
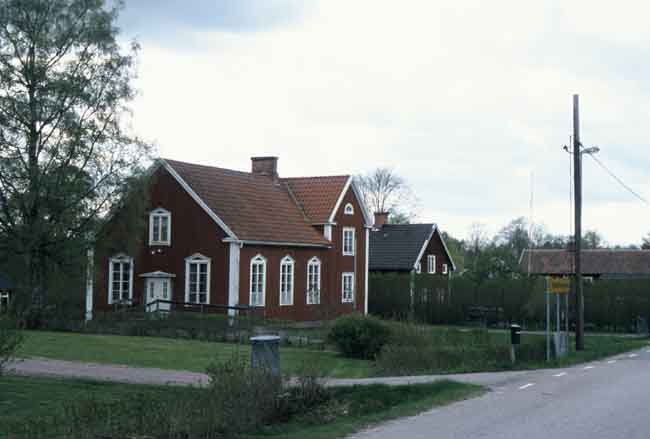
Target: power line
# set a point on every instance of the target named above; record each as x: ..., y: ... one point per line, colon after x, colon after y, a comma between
x: 621, y: 182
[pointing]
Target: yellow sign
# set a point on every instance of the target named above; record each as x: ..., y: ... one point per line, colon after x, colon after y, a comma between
x: 559, y: 285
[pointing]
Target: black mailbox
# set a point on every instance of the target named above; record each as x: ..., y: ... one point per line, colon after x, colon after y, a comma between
x: 515, y: 334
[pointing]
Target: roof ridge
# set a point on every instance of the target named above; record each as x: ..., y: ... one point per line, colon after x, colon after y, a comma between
x: 317, y: 176
x: 218, y: 168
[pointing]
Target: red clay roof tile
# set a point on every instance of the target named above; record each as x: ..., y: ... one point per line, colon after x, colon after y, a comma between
x: 258, y: 209
x: 317, y: 195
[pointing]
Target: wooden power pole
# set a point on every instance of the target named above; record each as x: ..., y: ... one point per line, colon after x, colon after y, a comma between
x: 577, y: 175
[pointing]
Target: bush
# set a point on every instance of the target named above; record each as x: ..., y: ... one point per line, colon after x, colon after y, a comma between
x: 359, y: 336
x: 417, y: 349
x: 10, y: 340
x: 239, y: 400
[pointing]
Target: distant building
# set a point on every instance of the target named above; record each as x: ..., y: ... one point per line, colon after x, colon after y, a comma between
x: 604, y: 263
x: 5, y: 293
x: 406, y: 248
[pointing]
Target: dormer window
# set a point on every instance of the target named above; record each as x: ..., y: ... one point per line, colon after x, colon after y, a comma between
x: 160, y: 227
x: 349, y: 209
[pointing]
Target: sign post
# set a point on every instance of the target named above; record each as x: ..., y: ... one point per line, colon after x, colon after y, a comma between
x: 556, y: 285
x: 548, y: 318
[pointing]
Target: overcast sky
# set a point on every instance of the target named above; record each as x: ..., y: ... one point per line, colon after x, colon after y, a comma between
x: 464, y: 98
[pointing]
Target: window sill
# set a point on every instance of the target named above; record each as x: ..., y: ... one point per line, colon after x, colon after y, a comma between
x: 160, y: 244
x: 348, y: 254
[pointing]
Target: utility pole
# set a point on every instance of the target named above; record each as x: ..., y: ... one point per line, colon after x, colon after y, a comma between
x: 577, y: 173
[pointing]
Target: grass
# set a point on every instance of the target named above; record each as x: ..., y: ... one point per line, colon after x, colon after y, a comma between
x: 180, y: 354
x: 22, y: 398
x: 25, y: 398
x: 370, y: 405
x: 192, y: 355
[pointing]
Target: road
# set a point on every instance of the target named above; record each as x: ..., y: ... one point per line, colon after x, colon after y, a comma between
x: 609, y: 399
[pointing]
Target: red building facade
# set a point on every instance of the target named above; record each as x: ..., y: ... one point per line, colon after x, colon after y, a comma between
x: 294, y: 249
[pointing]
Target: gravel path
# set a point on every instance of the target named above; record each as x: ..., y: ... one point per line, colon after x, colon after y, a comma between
x: 139, y: 375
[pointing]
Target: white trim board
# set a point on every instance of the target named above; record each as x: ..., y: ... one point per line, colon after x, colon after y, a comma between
x: 198, y: 199
x: 444, y: 245
x: 357, y: 194
x: 275, y: 243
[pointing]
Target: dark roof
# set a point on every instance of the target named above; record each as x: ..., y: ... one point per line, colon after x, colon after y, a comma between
x: 395, y: 247
x: 254, y: 207
x: 318, y: 195
x: 594, y: 262
x: 4, y: 284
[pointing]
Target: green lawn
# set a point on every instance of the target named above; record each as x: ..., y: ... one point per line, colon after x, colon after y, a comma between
x: 25, y: 399
x: 191, y: 355
x: 167, y: 353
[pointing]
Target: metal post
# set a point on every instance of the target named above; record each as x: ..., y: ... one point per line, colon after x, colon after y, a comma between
x: 566, y: 317
x: 577, y: 173
x: 557, y: 314
x: 548, y: 320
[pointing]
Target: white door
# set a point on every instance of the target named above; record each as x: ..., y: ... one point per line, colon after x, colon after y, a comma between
x: 158, y: 289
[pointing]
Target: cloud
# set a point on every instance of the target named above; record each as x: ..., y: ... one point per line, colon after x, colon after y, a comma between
x: 463, y: 98
x: 179, y: 23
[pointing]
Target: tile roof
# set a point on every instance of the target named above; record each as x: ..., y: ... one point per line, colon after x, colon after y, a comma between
x: 396, y: 247
x: 254, y: 206
x: 317, y: 195
x: 594, y: 262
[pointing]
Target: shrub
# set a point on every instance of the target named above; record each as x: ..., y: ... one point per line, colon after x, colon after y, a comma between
x: 399, y: 359
x: 10, y: 340
x: 359, y: 336
x: 252, y: 395
x: 239, y: 400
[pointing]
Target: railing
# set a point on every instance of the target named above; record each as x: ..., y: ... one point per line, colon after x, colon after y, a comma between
x: 195, y: 307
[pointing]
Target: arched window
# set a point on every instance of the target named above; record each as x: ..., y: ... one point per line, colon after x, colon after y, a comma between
x: 197, y: 279
x: 349, y: 209
x: 257, y: 281
x: 286, y: 280
x: 313, y: 281
x: 120, y: 279
x: 160, y: 227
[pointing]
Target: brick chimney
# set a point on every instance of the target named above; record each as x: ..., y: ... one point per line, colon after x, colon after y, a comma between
x: 265, y: 166
x: 381, y: 218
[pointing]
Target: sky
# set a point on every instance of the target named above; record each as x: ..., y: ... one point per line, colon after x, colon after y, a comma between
x: 470, y: 101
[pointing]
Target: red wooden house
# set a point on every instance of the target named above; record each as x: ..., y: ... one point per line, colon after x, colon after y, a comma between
x: 294, y: 248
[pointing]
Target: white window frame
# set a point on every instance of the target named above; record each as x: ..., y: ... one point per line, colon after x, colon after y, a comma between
x: 159, y: 214
x: 313, y: 294
x: 121, y: 259
x: 349, y: 209
x: 257, y: 260
x: 289, y: 262
x: 199, y: 259
x: 445, y: 269
x: 349, y: 252
x: 431, y: 264
x: 350, y: 298
x: 418, y: 268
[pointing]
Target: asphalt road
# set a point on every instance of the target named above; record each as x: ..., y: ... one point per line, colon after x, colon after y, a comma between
x: 609, y: 399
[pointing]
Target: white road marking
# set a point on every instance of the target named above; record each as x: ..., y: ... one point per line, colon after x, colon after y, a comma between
x: 648, y: 351
x: 588, y: 367
x: 611, y: 362
x: 525, y: 386
x: 561, y: 374
x: 633, y: 355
